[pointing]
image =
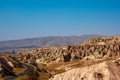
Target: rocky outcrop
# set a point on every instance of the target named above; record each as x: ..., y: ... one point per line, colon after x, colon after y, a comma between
x: 102, y: 71
x: 99, y: 48
x: 7, y: 63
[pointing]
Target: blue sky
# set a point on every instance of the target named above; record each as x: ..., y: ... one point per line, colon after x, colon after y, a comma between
x: 21, y: 19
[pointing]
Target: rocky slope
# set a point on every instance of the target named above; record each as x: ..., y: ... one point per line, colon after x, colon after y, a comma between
x: 99, y: 48
x: 103, y: 71
x: 95, y: 59
x: 7, y: 65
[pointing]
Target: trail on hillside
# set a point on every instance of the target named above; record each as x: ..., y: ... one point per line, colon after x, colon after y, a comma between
x: 21, y: 74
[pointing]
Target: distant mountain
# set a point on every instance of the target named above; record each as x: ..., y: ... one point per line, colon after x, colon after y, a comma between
x: 14, y: 45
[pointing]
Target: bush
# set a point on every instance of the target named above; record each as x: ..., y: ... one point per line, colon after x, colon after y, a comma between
x: 33, y: 75
x: 98, y: 75
x: 33, y: 62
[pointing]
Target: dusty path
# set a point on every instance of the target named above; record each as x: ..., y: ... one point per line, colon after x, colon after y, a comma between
x: 21, y: 74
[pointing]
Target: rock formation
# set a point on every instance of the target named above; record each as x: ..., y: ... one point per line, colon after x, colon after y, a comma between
x: 102, y: 71
x: 7, y: 63
x: 99, y: 48
x: 92, y: 60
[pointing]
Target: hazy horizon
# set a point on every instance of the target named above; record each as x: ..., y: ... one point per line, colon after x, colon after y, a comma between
x: 59, y: 36
x: 23, y: 19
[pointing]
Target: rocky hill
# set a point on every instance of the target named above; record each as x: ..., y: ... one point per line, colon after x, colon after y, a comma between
x: 103, y: 71
x: 7, y: 65
x: 98, y: 48
x: 95, y: 59
x: 15, y: 45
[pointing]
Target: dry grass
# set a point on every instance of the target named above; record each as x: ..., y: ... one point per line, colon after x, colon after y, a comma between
x: 45, y: 71
x: 4, y: 77
x: 1, y: 78
x: 44, y: 76
x: 25, y: 77
x: 19, y: 70
x: 85, y: 63
x: 31, y: 75
x: 82, y: 63
x: 55, y: 65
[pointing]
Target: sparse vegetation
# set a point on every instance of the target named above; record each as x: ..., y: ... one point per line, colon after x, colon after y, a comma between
x: 98, y: 75
x: 19, y: 70
x: 33, y: 75
x: 33, y: 62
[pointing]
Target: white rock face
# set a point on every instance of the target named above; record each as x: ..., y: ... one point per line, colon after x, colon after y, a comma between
x: 102, y: 71
x: 10, y: 63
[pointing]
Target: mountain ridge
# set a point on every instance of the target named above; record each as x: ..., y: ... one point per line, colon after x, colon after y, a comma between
x: 15, y: 45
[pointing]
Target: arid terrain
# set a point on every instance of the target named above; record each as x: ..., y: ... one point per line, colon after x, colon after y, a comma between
x: 95, y: 59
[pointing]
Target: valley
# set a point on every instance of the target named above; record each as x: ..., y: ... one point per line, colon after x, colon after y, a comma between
x: 95, y: 59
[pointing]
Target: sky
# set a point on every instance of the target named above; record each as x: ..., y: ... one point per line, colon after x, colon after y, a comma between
x: 21, y: 19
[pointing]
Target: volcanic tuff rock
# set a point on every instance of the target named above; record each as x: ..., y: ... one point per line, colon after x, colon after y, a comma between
x: 99, y: 48
x: 102, y: 71
x: 7, y: 63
